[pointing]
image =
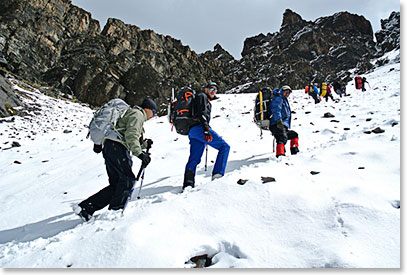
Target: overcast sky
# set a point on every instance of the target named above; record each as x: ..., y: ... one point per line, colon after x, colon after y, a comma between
x: 201, y: 24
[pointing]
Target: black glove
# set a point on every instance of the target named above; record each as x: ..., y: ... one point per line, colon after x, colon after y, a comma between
x: 97, y: 148
x: 145, y: 158
x: 207, y: 134
x: 149, y: 142
x: 280, y: 124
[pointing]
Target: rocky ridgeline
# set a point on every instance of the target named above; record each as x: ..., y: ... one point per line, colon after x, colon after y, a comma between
x: 55, y: 43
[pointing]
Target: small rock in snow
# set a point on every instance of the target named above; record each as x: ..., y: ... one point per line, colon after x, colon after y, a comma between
x: 378, y: 130
x: 241, y: 181
x: 267, y: 179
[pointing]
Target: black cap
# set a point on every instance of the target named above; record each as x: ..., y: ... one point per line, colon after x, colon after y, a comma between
x: 148, y: 103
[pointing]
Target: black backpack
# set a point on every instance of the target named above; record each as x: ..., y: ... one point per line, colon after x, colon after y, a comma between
x: 261, y: 108
x: 181, y: 111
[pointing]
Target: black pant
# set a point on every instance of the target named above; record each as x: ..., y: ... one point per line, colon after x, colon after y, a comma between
x: 329, y: 95
x: 282, y: 135
x: 314, y: 96
x: 121, y: 179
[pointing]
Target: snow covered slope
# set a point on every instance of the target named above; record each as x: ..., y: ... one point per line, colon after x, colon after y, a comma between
x: 347, y: 215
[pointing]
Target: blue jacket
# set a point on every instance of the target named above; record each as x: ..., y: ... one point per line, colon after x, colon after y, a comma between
x: 280, y: 109
x: 315, y: 89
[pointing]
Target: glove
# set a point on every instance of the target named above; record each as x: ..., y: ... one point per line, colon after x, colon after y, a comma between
x: 97, y: 148
x: 280, y: 124
x: 145, y: 159
x: 207, y: 134
x: 149, y: 142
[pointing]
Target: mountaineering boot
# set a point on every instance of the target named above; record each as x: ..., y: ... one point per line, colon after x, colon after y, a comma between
x: 216, y: 176
x: 280, y: 150
x: 82, y: 213
x: 294, y: 146
x: 188, y: 179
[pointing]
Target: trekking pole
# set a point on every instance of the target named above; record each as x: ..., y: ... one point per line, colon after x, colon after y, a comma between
x: 274, y: 144
x: 142, y: 175
x: 141, y: 171
x: 206, y: 158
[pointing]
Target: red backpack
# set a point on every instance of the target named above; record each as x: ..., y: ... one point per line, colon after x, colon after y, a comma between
x: 358, y: 82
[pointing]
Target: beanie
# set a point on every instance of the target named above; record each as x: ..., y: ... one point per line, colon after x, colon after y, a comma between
x: 148, y: 103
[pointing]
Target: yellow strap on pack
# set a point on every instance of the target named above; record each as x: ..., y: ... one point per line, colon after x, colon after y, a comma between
x: 261, y: 104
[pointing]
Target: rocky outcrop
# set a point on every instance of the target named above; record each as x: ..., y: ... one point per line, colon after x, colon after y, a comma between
x: 388, y: 38
x: 304, y: 51
x: 55, y: 43
x: 8, y: 99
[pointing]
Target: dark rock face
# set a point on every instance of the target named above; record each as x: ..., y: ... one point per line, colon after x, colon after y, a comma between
x: 55, y: 43
x: 8, y: 98
x: 308, y: 51
x: 388, y: 38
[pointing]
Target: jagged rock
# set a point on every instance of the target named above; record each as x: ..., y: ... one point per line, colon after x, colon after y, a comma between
x: 60, y: 45
x: 8, y: 99
x: 201, y: 261
x: 302, y: 51
x: 328, y: 115
x: 267, y: 179
x: 378, y: 130
x: 241, y: 181
x: 15, y: 144
x: 388, y: 38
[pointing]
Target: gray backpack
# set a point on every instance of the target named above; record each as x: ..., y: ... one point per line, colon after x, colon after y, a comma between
x: 103, y: 123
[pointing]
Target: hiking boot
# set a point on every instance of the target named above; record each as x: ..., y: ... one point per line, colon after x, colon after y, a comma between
x: 216, y: 176
x: 189, y: 179
x: 82, y: 213
x: 294, y: 150
x: 294, y: 146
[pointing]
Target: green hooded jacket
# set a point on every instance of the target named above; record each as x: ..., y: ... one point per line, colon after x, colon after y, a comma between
x: 130, y: 127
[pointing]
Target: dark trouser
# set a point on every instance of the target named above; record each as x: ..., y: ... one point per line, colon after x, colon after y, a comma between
x: 282, y: 135
x: 339, y: 92
x: 121, y: 178
x: 329, y: 95
x: 314, y: 96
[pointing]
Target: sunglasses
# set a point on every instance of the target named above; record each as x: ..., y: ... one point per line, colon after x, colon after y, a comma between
x: 213, y: 89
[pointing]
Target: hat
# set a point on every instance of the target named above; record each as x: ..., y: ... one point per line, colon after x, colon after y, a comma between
x: 148, y: 103
x: 213, y: 84
x: 286, y: 87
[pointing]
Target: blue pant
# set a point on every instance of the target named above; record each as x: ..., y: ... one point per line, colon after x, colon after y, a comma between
x: 198, y: 143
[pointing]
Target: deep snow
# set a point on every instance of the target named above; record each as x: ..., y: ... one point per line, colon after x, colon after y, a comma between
x: 347, y: 216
